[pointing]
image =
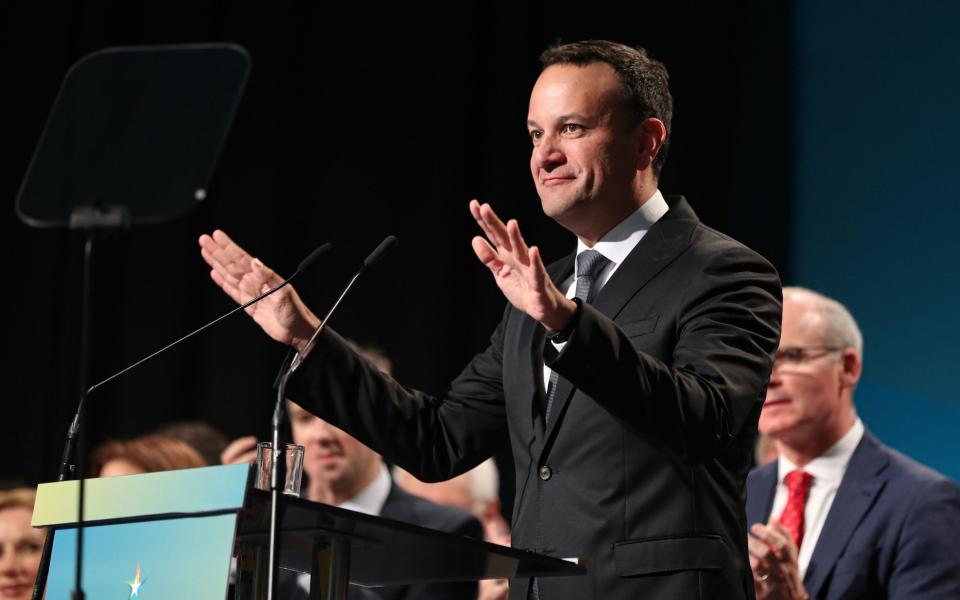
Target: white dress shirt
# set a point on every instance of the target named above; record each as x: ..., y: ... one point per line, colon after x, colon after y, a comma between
x: 827, y: 470
x: 370, y: 501
x: 615, y: 246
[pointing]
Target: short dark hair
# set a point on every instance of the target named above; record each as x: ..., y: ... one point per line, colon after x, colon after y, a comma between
x: 151, y: 453
x: 202, y: 437
x: 645, y: 80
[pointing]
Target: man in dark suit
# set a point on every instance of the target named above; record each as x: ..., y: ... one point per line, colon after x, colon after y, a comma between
x: 627, y: 378
x: 840, y: 515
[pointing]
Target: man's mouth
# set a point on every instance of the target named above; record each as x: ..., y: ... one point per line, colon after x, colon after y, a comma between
x: 14, y: 590
x: 556, y: 180
x: 775, y: 402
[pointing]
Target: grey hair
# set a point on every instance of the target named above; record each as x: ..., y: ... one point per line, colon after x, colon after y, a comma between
x: 840, y: 329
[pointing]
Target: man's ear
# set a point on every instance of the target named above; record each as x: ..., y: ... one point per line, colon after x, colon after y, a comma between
x: 652, y: 134
x: 852, y: 367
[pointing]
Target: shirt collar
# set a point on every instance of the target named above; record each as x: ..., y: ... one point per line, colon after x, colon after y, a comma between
x: 621, y: 240
x: 828, y: 468
x: 371, y: 499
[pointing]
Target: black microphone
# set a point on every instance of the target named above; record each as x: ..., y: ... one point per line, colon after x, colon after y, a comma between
x: 309, y: 260
x: 67, y: 465
x: 303, y: 266
x: 278, y: 464
x: 388, y: 243
x: 382, y: 248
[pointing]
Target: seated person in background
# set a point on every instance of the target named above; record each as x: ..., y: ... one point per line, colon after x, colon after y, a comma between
x: 206, y: 439
x: 20, y: 544
x: 846, y: 517
x: 342, y: 472
x: 145, y: 454
x: 476, y: 491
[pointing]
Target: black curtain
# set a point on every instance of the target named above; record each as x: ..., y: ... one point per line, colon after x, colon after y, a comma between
x: 358, y: 121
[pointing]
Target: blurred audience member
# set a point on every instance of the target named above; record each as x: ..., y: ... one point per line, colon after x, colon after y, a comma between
x: 145, y: 454
x: 244, y: 449
x: 20, y: 544
x: 206, y: 439
x: 241, y: 450
x: 341, y: 471
x: 476, y: 491
x: 838, y: 514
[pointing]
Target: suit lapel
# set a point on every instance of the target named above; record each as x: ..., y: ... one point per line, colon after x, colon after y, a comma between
x: 533, y: 337
x: 761, y: 489
x: 665, y: 240
x: 396, y: 505
x: 862, y: 482
x: 659, y: 247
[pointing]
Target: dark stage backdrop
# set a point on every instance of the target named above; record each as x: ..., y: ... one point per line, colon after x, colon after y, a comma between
x: 358, y: 121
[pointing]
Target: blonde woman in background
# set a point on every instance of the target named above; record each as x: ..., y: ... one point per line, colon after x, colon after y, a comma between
x: 20, y: 544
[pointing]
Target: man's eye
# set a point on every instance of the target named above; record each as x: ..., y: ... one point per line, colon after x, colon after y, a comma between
x: 572, y: 128
x: 29, y: 548
x: 792, y: 355
x: 536, y: 134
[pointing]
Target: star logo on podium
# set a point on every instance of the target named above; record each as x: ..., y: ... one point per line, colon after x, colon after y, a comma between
x: 136, y: 584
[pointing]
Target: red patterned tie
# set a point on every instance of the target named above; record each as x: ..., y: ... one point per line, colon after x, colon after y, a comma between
x: 798, y: 486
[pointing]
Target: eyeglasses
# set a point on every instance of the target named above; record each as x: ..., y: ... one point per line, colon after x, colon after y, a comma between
x: 797, y: 356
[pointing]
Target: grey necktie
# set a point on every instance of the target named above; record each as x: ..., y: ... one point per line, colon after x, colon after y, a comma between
x: 589, y: 264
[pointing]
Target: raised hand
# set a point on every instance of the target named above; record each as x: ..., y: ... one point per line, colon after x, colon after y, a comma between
x: 282, y: 315
x: 239, y: 451
x: 773, y: 560
x: 518, y: 269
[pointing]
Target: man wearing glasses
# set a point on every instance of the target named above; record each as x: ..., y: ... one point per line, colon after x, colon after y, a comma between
x: 838, y: 514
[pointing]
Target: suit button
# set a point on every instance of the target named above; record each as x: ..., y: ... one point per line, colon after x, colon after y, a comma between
x: 545, y: 472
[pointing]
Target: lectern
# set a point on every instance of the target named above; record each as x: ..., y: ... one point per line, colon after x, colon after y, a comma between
x: 173, y: 534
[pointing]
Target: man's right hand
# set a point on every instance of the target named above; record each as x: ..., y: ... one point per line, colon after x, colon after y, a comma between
x: 282, y: 315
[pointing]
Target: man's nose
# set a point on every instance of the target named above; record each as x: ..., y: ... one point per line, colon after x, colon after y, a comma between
x: 321, y: 431
x: 8, y: 563
x: 547, y: 154
x: 775, y: 379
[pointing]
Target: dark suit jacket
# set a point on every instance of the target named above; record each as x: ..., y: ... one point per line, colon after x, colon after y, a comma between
x: 641, y: 471
x: 893, y: 530
x: 402, y: 506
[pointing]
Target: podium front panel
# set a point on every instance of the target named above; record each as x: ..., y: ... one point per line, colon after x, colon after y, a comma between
x: 155, y: 535
x: 166, y: 558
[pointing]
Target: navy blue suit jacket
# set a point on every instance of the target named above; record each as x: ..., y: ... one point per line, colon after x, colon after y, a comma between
x: 893, y: 530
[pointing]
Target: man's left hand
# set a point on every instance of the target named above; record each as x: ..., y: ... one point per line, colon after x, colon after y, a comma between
x: 518, y: 270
